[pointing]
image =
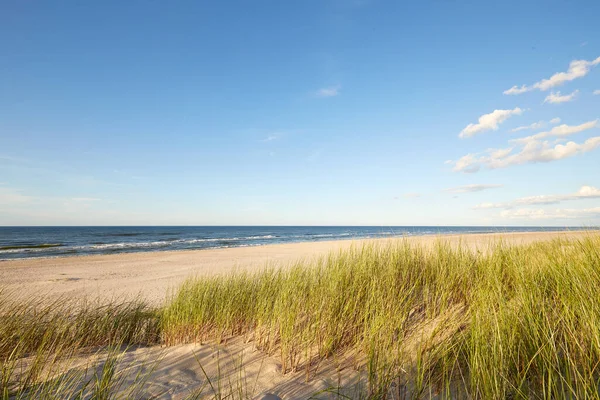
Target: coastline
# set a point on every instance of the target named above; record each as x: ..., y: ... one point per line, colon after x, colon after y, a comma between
x: 150, y: 275
x: 51, y: 242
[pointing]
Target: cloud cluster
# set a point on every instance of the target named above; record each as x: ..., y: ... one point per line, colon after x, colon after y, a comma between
x: 577, y: 69
x: 585, y: 192
x: 488, y: 122
x: 557, y: 98
x: 550, y: 144
x: 472, y: 188
x: 532, y: 152
x: 558, y: 131
x: 531, y: 149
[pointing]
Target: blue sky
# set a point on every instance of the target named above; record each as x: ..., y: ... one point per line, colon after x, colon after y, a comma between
x: 329, y: 112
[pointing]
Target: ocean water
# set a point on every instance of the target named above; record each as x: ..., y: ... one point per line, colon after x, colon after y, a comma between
x: 26, y: 242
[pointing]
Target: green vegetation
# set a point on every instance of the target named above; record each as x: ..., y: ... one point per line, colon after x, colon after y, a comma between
x: 511, y: 321
x: 38, y: 339
x: 500, y: 322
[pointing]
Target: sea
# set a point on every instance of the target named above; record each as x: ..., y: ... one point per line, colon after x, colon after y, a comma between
x: 28, y: 242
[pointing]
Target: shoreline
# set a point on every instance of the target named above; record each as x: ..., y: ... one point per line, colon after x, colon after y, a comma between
x: 354, y: 239
x: 151, y: 274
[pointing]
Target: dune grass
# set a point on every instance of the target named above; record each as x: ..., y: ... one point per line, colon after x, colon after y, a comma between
x: 38, y: 338
x: 503, y: 321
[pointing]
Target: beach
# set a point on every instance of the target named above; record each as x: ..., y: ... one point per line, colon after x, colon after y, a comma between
x: 150, y: 275
x: 236, y: 365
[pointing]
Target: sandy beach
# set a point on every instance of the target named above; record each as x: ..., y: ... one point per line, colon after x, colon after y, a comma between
x: 151, y: 274
x: 177, y: 371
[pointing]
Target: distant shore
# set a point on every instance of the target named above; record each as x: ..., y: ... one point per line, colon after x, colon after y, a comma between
x: 150, y: 275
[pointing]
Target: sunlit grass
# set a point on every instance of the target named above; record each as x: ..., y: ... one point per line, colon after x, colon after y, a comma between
x: 38, y: 338
x: 503, y: 321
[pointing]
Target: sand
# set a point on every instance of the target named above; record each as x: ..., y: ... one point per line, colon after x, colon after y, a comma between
x: 180, y: 371
x: 235, y: 370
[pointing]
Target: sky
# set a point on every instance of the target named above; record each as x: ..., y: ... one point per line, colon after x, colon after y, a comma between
x: 311, y: 112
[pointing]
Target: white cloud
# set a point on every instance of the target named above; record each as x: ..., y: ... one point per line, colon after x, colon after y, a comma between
x: 469, y: 163
x: 559, y: 131
x: 517, y: 90
x: 489, y: 121
x: 531, y: 149
x: 536, y: 125
x: 596, y: 92
x: 557, y: 98
x: 330, y: 91
x: 472, y: 188
x: 500, y: 153
x: 538, y: 213
x: 534, y: 151
x: 585, y: 192
x: 577, y: 69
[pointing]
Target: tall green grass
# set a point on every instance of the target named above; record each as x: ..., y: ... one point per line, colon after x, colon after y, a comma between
x: 500, y: 322
x: 503, y: 321
x: 38, y: 338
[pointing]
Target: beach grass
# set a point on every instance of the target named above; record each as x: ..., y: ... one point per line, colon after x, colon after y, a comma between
x: 501, y: 321
x: 38, y: 338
